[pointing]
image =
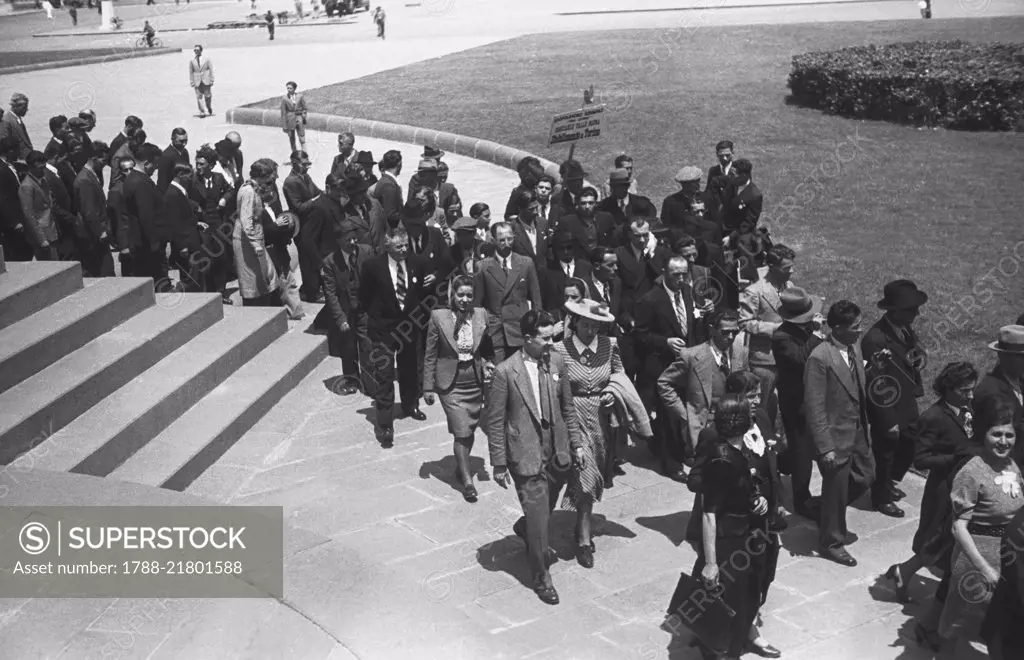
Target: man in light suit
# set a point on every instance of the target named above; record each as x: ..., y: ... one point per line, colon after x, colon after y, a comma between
x: 836, y: 408
x: 200, y: 72
x: 696, y: 380
x: 533, y: 434
x: 507, y: 287
x: 13, y: 124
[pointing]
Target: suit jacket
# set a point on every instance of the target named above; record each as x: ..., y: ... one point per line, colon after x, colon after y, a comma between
x: 759, y: 317
x: 68, y: 224
x: 791, y: 345
x: 996, y: 385
x: 369, y: 222
x: 480, y: 250
x: 11, y: 124
x: 208, y: 197
x: 739, y: 207
x: 638, y: 205
x: 613, y: 291
x: 604, y: 233
x: 11, y: 213
x: 445, y: 192
x: 341, y: 163
x: 388, y: 192
x: 637, y: 276
x: 299, y: 191
x: 893, y: 383
x: 441, y: 359
x: 341, y: 294
x: 834, y: 401
x: 434, y: 252
x: 506, y: 297
x: 293, y: 111
x: 165, y: 166
x: 200, y: 72
x: 181, y: 219
x: 521, y: 436
x: 685, y: 387
x: 553, y: 281
x: 144, y: 210
x: 90, y: 202
x: 522, y: 244
x: 678, y: 213
x: 37, y: 205
x: 378, y: 300
x: 656, y: 322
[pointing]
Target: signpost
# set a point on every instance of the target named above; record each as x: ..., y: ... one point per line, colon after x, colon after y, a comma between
x: 576, y: 125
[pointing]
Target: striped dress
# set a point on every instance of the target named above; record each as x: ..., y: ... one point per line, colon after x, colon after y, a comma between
x: 588, y: 376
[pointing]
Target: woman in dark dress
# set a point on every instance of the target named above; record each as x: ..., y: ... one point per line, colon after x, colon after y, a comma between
x: 456, y: 365
x: 1003, y: 628
x: 945, y: 439
x: 737, y: 558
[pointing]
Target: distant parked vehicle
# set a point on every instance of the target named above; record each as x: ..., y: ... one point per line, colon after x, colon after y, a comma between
x: 345, y: 7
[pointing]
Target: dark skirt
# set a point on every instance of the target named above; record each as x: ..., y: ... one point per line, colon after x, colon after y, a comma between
x: 746, y: 570
x: 463, y: 401
x: 934, y: 537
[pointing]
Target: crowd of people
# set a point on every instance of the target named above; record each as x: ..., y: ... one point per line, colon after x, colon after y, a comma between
x: 569, y: 325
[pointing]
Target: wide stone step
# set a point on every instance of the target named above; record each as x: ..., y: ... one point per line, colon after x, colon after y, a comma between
x: 34, y: 343
x: 102, y: 438
x: 38, y: 407
x: 29, y: 286
x: 195, y: 441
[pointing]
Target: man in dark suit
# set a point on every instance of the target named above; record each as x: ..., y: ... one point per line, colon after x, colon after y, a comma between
x: 90, y: 204
x: 558, y: 271
x: 550, y: 211
x: 718, y: 175
x: 573, y: 175
x: 239, y: 158
x: 213, y: 195
x: 590, y: 226
x: 794, y: 340
x: 623, y: 205
x: 391, y: 289
x: 1006, y: 381
x: 325, y: 217
x: 174, y: 153
x: 346, y: 154
x: 742, y: 201
x: 507, y: 287
x: 426, y: 241
x: 533, y: 433
x: 428, y: 175
x: 342, y: 314
x: 468, y: 250
x: 186, y: 229
x: 58, y: 125
x: 836, y: 406
x: 12, y: 216
x: 529, y: 231
x: 388, y: 191
x: 895, y: 358
x: 144, y: 211
x: 603, y: 283
x: 637, y: 272
x: 694, y: 213
x: 72, y: 232
x: 300, y: 191
x: 12, y: 124
x: 131, y: 125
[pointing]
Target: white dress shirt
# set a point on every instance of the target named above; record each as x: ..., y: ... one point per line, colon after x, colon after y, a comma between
x: 531, y: 233
x: 600, y: 288
x: 533, y: 375
x: 676, y: 298
x: 569, y: 267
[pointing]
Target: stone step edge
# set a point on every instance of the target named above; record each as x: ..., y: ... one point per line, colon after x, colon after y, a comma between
x: 39, y: 285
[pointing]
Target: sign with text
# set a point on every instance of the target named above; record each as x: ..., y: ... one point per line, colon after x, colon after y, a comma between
x: 142, y: 552
x: 576, y: 125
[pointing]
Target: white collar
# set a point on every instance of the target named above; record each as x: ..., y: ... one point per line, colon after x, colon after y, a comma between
x: 183, y: 192
x: 580, y: 346
x: 715, y: 353
x: 52, y: 168
x: 669, y: 291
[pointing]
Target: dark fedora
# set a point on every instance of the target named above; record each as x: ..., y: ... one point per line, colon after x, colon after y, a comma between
x: 571, y: 169
x: 902, y: 294
x: 354, y: 183
x: 563, y: 238
x: 432, y: 152
x: 1011, y: 340
x: 798, y: 306
x: 365, y: 158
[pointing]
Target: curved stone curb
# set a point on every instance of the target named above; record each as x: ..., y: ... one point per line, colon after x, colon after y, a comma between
x: 491, y: 152
x: 96, y: 59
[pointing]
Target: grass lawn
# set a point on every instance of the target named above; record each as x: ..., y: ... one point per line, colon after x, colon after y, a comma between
x: 861, y: 202
x: 22, y: 58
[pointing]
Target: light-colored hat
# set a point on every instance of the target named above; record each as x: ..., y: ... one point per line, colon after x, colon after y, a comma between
x: 427, y: 165
x: 620, y: 175
x: 464, y: 223
x: 591, y: 309
x: 1011, y: 340
x: 798, y: 306
x: 688, y: 173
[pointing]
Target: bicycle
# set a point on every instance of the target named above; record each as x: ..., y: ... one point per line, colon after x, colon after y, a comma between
x: 141, y: 42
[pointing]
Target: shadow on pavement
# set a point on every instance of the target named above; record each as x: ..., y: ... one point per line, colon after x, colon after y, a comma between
x: 443, y: 470
x: 673, y: 525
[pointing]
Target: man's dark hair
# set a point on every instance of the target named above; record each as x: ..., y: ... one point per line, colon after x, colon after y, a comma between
x: 953, y: 376
x: 390, y: 160
x: 477, y: 210
x: 547, y: 178
x: 182, y: 169
x: 534, y: 320
x: 598, y: 254
x: 292, y: 83
x: 720, y: 316
x: 681, y: 241
x: 526, y: 197
x: 178, y: 131
x: 57, y: 123
x: 499, y: 225
x: 99, y: 149
x: 779, y: 253
x: 148, y: 153
x: 622, y: 159
x: 724, y: 144
x: 9, y: 143
x: 842, y: 313
x: 743, y: 166
x: 207, y: 153
x: 35, y: 158
x: 297, y: 157
x: 332, y: 181
x: 589, y: 192
x: 133, y: 121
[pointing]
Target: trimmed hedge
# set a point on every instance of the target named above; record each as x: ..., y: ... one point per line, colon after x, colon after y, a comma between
x: 952, y: 84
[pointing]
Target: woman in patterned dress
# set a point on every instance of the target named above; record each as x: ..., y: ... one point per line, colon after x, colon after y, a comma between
x: 591, y: 357
x: 987, y: 493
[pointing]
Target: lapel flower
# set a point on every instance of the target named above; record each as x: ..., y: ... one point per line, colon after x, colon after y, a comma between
x: 968, y: 427
x: 1009, y: 482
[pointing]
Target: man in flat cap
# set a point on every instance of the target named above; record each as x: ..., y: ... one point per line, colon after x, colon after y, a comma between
x: 13, y: 124
x: 696, y: 213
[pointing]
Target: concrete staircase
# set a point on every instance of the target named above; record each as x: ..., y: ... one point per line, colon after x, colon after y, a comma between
x: 104, y: 377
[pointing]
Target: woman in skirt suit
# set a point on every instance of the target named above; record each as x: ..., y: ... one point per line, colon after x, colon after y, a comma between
x: 457, y: 364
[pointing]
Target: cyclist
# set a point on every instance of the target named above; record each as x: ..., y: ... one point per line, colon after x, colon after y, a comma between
x: 149, y: 33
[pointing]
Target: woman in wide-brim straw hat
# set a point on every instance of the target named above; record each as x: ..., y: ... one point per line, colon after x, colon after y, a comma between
x: 591, y: 357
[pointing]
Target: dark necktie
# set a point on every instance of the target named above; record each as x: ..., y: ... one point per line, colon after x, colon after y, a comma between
x: 853, y: 366
x: 400, y: 289
x: 544, y: 385
x: 504, y: 265
x: 725, y: 364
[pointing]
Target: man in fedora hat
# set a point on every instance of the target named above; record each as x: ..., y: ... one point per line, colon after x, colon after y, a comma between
x: 624, y: 162
x: 573, y: 176
x: 1006, y: 380
x: 895, y: 358
x: 366, y: 162
x: 564, y: 266
x: 364, y: 212
x: 427, y: 174
x: 622, y: 204
x: 468, y: 250
x: 346, y: 154
x: 796, y: 337
x: 433, y: 153
x: 300, y: 192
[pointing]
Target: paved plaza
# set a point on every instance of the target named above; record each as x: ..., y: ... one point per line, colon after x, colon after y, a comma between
x: 385, y: 560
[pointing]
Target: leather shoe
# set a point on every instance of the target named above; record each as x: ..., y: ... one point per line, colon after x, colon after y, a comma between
x: 850, y: 538
x: 839, y: 555
x: 891, y: 510
x: 469, y: 493
x: 897, y: 493
x: 678, y: 475
x: 585, y: 555
x: 416, y: 414
x: 766, y: 651
x: 546, y: 592
x: 387, y: 438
